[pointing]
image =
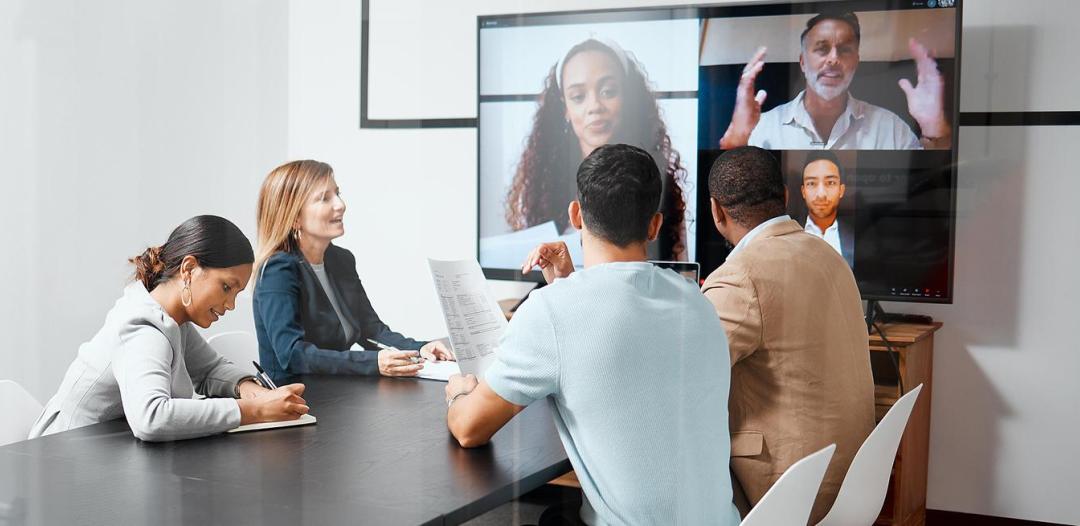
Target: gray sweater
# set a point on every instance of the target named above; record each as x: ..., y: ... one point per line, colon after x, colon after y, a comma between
x: 143, y: 366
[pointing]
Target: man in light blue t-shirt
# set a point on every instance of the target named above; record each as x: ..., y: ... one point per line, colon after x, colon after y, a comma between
x: 632, y: 357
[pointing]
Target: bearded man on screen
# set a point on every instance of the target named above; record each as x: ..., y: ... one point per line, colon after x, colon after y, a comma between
x: 825, y: 115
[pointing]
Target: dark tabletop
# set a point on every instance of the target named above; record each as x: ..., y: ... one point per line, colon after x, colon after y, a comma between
x: 380, y: 454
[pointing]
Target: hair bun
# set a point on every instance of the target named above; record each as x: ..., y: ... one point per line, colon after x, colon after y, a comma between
x: 153, y: 256
x: 148, y: 266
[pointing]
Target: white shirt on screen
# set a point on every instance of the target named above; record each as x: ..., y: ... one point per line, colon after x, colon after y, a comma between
x: 831, y: 235
x: 862, y: 126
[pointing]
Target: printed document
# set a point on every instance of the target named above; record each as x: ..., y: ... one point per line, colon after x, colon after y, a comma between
x: 474, y: 320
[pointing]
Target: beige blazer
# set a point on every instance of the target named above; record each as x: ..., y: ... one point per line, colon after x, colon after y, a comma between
x: 800, y: 375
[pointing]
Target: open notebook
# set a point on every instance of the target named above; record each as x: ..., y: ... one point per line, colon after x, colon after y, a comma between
x: 302, y: 421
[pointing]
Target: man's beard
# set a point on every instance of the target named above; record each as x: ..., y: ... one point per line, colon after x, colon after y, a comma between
x: 813, y: 82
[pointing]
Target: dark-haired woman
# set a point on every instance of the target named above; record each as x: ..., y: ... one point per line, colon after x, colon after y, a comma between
x: 148, y: 360
x: 596, y: 95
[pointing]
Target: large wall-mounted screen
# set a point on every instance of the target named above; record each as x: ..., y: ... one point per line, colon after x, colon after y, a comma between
x: 856, y: 99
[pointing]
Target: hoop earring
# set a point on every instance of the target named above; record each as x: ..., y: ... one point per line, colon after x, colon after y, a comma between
x: 186, y: 301
x: 297, y: 235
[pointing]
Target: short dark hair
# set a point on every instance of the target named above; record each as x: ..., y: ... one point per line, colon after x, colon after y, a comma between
x: 214, y: 241
x: 843, y: 16
x: 619, y: 188
x: 824, y: 155
x: 748, y: 183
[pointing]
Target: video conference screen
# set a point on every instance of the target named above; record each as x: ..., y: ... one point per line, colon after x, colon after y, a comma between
x: 857, y: 100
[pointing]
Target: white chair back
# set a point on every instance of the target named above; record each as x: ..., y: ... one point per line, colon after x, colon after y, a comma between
x: 239, y: 347
x: 791, y: 499
x: 19, y: 409
x: 863, y: 492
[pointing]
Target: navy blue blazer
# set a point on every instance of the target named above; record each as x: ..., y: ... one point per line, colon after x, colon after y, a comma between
x: 297, y: 328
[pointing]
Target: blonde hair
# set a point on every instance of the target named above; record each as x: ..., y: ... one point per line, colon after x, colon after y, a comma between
x: 280, y: 201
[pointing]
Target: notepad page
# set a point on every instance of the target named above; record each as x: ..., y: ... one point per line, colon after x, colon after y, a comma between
x: 302, y: 421
x: 439, y: 370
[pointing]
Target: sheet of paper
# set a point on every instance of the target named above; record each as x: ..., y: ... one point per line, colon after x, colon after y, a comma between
x: 302, y: 421
x: 440, y: 370
x: 509, y: 250
x: 473, y: 319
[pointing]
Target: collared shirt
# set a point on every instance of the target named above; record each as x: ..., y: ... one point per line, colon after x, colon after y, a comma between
x: 755, y: 231
x: 862, y: 126
x: 831, y: 235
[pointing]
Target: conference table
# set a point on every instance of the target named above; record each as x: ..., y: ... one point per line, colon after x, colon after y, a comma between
x: 379, y: 454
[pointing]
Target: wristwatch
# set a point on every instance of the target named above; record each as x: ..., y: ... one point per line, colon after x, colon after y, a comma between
x: 236, y: 388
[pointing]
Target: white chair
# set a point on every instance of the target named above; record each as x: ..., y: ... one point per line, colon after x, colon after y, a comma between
x: 239, y: 347
x: 863, y: 491
x: 791, y: 499
x: 19, y: 409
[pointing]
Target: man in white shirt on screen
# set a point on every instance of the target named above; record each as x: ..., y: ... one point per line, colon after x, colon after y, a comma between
x: 822, y: 189
x: 825, y: 115
x: 631, y: 357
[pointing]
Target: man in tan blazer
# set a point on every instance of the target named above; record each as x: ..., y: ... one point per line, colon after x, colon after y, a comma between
x: 800, y: 376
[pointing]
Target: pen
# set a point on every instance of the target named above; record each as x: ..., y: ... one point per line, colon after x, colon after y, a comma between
x: 415, y: 359
x: 262, y: 377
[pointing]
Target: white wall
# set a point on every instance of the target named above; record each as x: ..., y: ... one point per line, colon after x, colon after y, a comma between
x: 1005, y: 409
x: 118, y: 120
x: 411, y: 193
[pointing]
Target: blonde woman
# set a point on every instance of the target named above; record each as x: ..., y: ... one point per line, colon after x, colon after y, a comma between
x: 310, y: 306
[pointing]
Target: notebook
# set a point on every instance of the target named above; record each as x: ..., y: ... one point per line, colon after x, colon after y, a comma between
x: 440, y: 370
x: 302, y: 421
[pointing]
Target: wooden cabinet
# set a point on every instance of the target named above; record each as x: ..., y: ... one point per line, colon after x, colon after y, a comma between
x: 905, y: 503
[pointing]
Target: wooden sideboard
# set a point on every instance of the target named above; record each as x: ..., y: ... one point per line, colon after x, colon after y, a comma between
x: 905, y: 503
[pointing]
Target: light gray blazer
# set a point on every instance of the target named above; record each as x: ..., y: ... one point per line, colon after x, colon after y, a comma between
x: 141, y: 365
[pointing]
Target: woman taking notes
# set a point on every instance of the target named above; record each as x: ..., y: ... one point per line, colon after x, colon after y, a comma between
x: 310, y: 306
x: 148, y: 359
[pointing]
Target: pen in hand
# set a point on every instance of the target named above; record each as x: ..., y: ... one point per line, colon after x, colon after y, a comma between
x: 262, y: 377
x: 414, y: 359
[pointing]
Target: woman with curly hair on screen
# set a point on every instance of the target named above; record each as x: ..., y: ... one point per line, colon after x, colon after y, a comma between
x: 595, y: 95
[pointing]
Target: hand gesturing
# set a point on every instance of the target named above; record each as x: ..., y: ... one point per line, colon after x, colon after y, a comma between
x: 926, y: 101
x: 747, y: 104
x: 552, y: 258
